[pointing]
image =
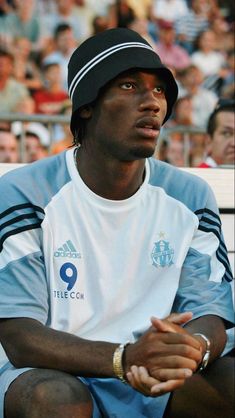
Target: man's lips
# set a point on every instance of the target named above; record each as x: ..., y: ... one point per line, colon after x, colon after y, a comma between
x: 148, y: 126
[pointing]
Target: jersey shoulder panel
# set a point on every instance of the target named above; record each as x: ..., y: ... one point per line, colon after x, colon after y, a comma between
x: 26, y: 191
x: 188, y: 188
x: 37, y: 182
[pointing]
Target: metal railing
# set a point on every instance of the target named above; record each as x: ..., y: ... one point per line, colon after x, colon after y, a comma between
x: 50, y: 121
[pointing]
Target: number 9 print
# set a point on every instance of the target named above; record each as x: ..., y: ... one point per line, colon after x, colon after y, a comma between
x: 68, y: 274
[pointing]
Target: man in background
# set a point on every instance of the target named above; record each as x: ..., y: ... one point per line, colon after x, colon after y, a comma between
x: 220, y: 129
x: 11, y: 90
x: 8, y: 147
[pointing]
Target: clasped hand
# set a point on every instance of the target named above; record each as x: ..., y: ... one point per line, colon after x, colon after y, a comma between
x: 164, y: 357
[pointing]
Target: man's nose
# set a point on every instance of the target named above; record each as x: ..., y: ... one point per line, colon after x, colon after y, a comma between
x: 149, y: 101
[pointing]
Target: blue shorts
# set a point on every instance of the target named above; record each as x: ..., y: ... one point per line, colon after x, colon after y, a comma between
x: 111, y: 398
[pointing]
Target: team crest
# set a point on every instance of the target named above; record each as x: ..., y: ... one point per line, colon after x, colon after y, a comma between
x: 162, y: 254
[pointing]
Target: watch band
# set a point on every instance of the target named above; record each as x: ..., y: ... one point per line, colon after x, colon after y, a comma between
x: 117, y: 362
x: 206, y: 357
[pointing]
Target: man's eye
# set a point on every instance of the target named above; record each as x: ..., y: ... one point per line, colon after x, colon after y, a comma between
x: 127, y: 85
x: 226, y: 134
x: 159, y: 90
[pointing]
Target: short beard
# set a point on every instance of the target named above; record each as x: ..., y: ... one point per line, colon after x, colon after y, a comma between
x: 142, y: 152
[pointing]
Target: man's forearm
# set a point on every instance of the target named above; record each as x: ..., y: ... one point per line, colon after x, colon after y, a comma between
x: 30, y: 344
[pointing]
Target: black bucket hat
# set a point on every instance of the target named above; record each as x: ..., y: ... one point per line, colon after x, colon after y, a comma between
x: 103, y: 57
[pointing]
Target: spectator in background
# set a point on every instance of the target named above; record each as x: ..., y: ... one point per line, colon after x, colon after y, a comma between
x: 211, y: 9
x: 67, y: 138
x: 206, y: 56
x: 84, y: 17
x: 8, y: 147
x: 25, y: 68
x: 224, y: 34
x: 140, y: 25
x: 210, y: 61
x: 120, y: 14
x: 99, y: 24
x: 173, y: 55
x: 77, y: 16
x: 197, y: 148
x: 44, y: 7
x: 19, y: 128
x: 144, y: 13
x: 190, y: 25
x: 50, y: 99
x: 203, y: 100
x: 228, y: 87
x: 23, y: 22
x: 170, y: 10
x: 27, y: 107
x: 228, y: 9
x: 100, y: 7
x: 221, y: 135
x: 175, y: 153
x: 11, y: 90
x: 5, y: 7
x: 171, y: 151
x: 35, y: 143
x: 193, y: 143
x: 182, y: 113
x: 142, y: 8
x: 5, y: 35
x: 65, y: 44
x: 177, y: 143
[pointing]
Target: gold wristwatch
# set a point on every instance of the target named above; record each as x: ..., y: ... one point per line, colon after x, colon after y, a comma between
x: 118, y: 363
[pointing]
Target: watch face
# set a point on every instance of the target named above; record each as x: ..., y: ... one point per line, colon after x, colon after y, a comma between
x: 205, y: 360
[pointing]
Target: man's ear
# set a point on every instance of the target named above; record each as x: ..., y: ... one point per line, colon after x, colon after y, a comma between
x: 85, y: 112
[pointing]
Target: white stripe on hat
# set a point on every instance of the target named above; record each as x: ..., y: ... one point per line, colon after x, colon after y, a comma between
x: 100, y: 57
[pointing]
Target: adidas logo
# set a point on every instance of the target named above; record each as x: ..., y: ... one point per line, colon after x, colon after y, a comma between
x: 67, y: 250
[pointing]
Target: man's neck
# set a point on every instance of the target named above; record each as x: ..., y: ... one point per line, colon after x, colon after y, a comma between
x: 114, y: 180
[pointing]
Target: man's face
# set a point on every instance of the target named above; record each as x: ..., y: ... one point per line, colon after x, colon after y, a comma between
x: 167, y: 36
x: 222, y: 142
x: 175, y: 153
x: 127, y: 117
x: 53, y: 74
x: 193, y: 78
x: 65, y: 41
x: 34, y: 149
x: 8, y: 148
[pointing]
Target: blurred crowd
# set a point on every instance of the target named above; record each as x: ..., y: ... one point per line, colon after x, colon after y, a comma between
x: 194, y: 38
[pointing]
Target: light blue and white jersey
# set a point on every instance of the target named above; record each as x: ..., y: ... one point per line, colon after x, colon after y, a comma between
x: 100, y: 268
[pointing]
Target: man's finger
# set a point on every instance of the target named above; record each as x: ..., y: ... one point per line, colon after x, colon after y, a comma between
x: 180, y: 318
x: 164, y: 325
x: 165, y: 387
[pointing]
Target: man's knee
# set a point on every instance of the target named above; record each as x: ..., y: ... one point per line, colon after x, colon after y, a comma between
x: 47, y: 393
x: 206, y: 395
